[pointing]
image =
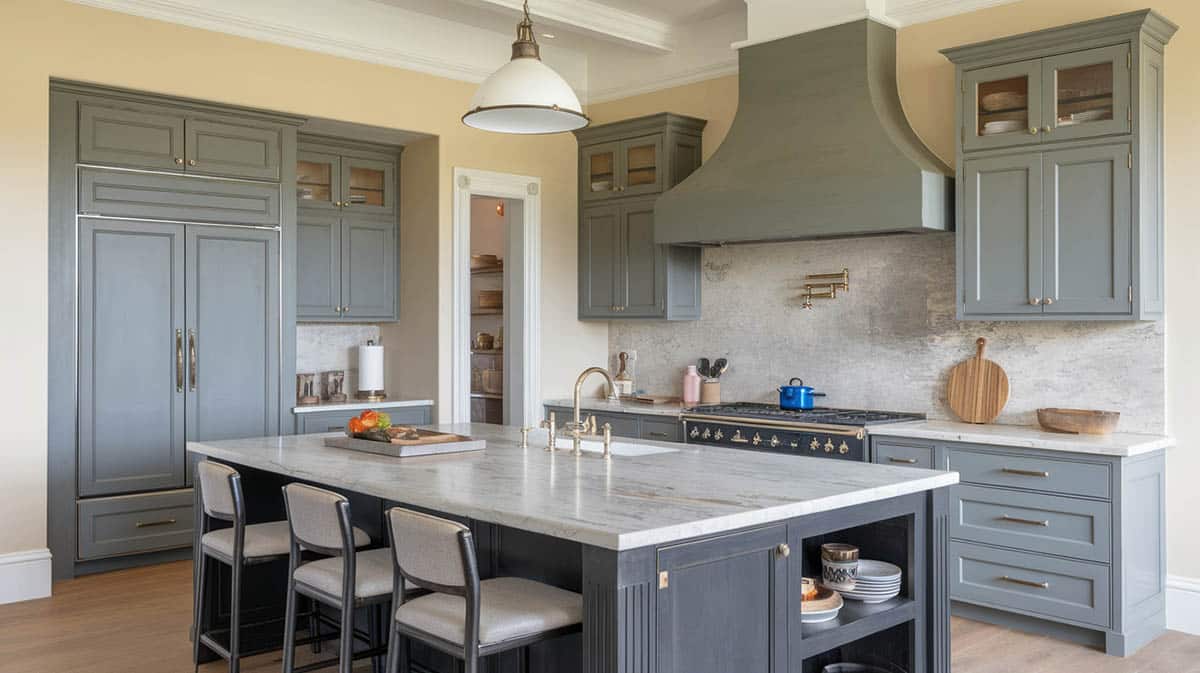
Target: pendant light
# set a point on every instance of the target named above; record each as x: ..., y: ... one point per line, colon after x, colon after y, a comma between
x: 525, y: 96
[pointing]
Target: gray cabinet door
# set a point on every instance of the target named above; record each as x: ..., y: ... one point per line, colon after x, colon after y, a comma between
x: 131, y: 321
x: 368, y: 186
x: 599, y: 261
x: 746, y: 576
x: 369, y: 284
x: 1002, y: 106
x: 318, y: 265
x: 318, y: 180
x: 1002, y: 235
x: 1086, y: 94
x: 140, y: 138
x: 177, y: 197
x: 233, y: 150
x: 641, y: 281
x: 1088, y: 230
x: 232, y: 333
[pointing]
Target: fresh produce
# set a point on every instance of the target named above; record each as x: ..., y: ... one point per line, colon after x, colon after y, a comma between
x: 384, y: 421
x: 355, y: 426
x: 369, y: 418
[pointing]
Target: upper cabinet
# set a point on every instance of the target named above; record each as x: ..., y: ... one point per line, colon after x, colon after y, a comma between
x: 347, y: 232
x: 1060, y: 159
x: 143, y: 136
x: 623, y: 167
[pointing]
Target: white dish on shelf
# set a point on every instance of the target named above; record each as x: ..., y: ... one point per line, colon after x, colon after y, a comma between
x: 878, y: 571
x: 1002, y: 126
x: 871, y: 599
x: 819, y: 617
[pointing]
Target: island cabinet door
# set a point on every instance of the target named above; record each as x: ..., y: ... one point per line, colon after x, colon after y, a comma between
x: 722, y: 604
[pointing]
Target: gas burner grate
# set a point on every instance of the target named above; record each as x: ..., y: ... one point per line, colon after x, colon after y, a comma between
x: 827, y: 415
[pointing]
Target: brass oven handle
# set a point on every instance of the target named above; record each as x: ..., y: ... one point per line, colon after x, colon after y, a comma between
x: 739, y: 439
x: 658, y: 434
x: 148, y: 524
x: 179, y: 361
x: 906, y: 461
x: 192, y: 360
x: 1025, y: 473
x: 1027, y: 522
x: 1024, y: 583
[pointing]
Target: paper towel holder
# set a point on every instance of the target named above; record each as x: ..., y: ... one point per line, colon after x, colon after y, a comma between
x: 370, y: 394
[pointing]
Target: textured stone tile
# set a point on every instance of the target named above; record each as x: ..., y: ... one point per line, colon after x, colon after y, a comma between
x: 890, y: 341
x: 321, y: 348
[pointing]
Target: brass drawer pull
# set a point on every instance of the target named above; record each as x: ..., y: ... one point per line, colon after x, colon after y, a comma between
x: 150, y: 524
x: 1025, y: 473
x: 658, y: 434
x: 179, y: 361
x: 1024, y: 583
x: 1027, y: 522
x: 193, y: 361
x: 905, y: 461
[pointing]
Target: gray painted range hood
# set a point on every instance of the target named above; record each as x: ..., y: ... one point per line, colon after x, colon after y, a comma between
x: 820, y: 148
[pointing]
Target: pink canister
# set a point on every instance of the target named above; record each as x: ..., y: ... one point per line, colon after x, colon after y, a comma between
x: 691, y: 386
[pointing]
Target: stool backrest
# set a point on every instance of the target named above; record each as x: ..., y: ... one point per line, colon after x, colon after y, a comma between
x: 319, y: 519
x: 220, y: 490
x: 432, y: 552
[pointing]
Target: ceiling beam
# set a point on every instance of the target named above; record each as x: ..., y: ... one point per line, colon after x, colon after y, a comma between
x: 596, y: 19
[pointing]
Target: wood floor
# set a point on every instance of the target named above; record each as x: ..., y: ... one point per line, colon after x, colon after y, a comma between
x: 136, y: 621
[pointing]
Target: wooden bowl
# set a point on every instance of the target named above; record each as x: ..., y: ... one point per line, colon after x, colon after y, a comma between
x: 491, y: 299
x: 1085, y: 421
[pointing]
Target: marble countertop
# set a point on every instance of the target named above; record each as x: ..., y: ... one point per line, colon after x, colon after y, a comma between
x: 622, y: 503
x: 620, y: 406
x: 1026, y: 436
x: 360, y: 404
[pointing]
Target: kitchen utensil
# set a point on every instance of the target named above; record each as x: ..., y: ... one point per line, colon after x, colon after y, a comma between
x: 710, y: 391
x: 704, y: 368
x: 797, y: 396
x: 978, y: 388
x: 1085, y: 421
x: 839, y: 551
x: 719, y: 367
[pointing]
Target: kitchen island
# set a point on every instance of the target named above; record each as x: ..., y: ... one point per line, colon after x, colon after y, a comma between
x: 689, y: 558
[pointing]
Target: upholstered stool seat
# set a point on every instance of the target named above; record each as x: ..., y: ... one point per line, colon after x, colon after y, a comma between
x: 510, y: 608
x: 263, y: 540
x: 372, y: 577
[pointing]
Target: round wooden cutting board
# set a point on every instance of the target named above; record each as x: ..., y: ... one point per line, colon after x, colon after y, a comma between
x: 978, y: 388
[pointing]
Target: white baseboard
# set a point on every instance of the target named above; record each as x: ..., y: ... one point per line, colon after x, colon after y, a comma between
x: 1183, y: 604
x: 24, y: 575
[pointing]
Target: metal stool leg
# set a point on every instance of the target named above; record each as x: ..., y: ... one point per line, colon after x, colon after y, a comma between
x: 289, y: 629
x: 314, y: 624
x: 393, y: 652
x: 235, y: 618
x: 346, y: 648
x: 198, y: 609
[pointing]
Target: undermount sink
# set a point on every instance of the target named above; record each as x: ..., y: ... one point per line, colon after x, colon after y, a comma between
x: 589, y: 445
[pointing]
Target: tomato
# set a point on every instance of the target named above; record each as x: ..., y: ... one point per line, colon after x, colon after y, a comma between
x: 369, y: 419
x: 356, y: 426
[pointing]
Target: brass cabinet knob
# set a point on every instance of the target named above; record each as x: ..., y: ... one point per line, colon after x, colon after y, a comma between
x: 1046, y: 129
x: 179, y: 160
x: 1033, y: 130
x: 621, y: 188
x: 784, y: 550
x: 1034, y: 301
x: 191, y: 162
x: 1048, y: 300
x: 346, y: 308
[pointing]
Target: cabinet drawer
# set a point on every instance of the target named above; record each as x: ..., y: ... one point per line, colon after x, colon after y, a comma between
x: 908, y: 454
x: 1031, y: 521
x: 1031, y: 472
x: 1030, y: 583
x: 177, y: 197
x: 662, y: 429
x: 130, y: 524
x: 623, y: 425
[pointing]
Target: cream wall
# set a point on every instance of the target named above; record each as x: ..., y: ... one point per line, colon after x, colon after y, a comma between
x: 927, y: 92
x: 40, y: 39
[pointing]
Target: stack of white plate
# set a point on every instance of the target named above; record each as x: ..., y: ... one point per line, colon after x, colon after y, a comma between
x: 877, y: 582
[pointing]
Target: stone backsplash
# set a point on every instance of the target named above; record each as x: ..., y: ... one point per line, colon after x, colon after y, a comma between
x: 890, y: 341
x: 321, y: 348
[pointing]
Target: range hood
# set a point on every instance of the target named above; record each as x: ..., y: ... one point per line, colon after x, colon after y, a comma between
x: 820, y: 148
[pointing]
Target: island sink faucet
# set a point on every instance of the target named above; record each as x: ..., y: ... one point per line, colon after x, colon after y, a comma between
x: 577, y: 427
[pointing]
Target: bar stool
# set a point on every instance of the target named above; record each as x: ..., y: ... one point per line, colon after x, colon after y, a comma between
x: 237, y: 546
x: 464, y: 617
x: 319, y: 521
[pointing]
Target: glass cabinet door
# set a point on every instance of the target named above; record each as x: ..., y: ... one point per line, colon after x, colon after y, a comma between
x: 317, y: 180
x: 368, y: 186
x: 1087, y: 93
x: 1002, y: 105
x: 642, y: 165
x: 599, y: 171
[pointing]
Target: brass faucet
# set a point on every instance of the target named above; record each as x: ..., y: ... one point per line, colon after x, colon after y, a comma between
x: 577, y: 427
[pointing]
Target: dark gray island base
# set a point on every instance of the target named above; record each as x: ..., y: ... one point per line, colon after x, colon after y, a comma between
x: 723, y: 601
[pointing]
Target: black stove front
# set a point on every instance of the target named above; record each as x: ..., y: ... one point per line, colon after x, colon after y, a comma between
x: 824, y: 432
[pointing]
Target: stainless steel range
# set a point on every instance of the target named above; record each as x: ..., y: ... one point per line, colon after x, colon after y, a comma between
x: 825, y: 432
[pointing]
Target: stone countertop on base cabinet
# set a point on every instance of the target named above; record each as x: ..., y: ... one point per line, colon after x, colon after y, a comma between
x: 672, y: 409
x: 1027, y: 437
x: 357, y: 405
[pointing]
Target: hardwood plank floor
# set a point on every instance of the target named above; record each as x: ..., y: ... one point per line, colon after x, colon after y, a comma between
x: 136, y: 621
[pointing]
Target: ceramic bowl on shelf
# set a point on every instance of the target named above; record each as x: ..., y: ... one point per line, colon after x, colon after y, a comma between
x: 839, y: 575
x: 823, y: 607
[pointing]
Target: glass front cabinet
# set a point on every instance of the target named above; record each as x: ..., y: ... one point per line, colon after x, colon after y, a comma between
x: 1060, y: 158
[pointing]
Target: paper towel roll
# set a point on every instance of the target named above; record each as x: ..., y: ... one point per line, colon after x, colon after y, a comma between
x: 370, y: 368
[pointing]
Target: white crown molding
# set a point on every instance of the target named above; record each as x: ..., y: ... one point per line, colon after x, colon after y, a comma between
x: 909, y: 12
x: 599, y: 20
x: 24, y: 575
x: 691, y: 76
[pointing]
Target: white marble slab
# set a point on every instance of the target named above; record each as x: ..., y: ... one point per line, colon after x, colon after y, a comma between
x: 623, y: 503
x: 358, y: 406
x: 672, y: 409
x: 1028, y: 437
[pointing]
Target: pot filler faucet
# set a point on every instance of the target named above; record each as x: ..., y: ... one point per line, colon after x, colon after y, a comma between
x: 578, y: 428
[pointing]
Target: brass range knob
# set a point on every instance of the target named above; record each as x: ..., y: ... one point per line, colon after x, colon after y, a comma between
x: 814, y: 444
x: 774, y: 441
x: 756, y: 439
x: 844, y: 448
x: 718, y: 435
x: 828, y: 445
